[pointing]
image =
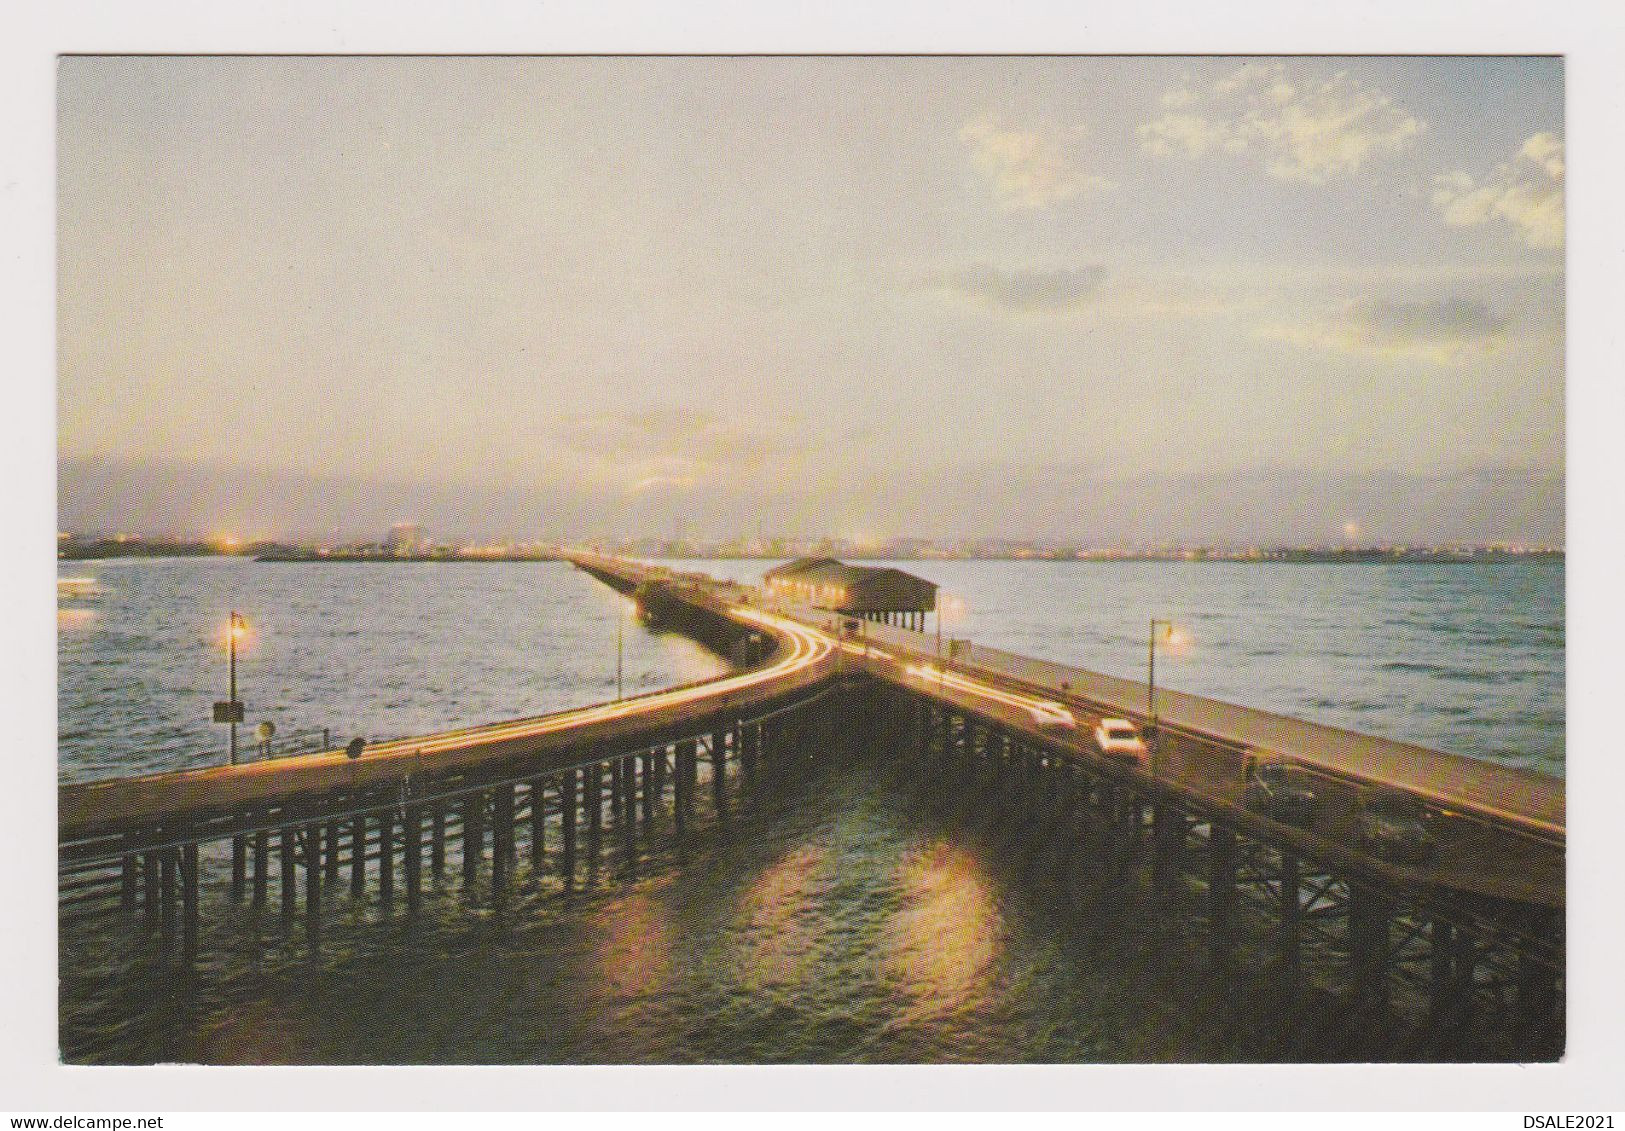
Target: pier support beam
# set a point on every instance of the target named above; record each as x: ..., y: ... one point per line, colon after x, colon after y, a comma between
x: 687, y: 777
x: 189, y: 901
x: 386, y: 859
x: 412, y: 836
x: 719, y: 770
x: 1168, y: 833
x: 313, y: 884
x: 331, y: 860
x: 473, y: 837
x: 1447, y: 999
x: 594, y: 803
x: 626, y: 824
x: 538, y: 826
x: 129, y: 879
x: 262, y: 866
x: 1535, y: 1005
x: 287, y: 854
x: 437, y: 840
x: 1369, y: 917
x: 1291, y: 912
x: 1221, y: 893
x: 567, y: 825
x: 150, y: 881
x: 239, y: 867
x: 502, y: 846
x: 646, y: 793
x: 358, y: 856
x: 166, y: 899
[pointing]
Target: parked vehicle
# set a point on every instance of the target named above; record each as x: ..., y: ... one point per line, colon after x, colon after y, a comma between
x: 1394, y: 825
x: 1120, y: 739
x: 1281, y: 791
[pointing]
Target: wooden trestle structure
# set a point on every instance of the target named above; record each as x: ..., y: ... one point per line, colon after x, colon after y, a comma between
x: 547, y: 811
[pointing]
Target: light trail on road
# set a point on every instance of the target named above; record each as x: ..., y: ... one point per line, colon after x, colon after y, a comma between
x: 1044, y: 711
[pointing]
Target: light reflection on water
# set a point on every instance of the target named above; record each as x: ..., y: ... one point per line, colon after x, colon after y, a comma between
x: 72, y: 618
x: 942, y: 944
x: 783, y: 917
x: 633, y: 950
x: 834, y: 918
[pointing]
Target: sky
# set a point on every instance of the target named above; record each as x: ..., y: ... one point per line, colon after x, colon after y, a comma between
x: 1108, y: 300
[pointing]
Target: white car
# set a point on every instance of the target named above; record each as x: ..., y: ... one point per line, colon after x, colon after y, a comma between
x: 1119, y: 738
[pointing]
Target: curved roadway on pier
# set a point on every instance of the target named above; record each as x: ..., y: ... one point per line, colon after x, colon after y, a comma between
x: 95, y: 807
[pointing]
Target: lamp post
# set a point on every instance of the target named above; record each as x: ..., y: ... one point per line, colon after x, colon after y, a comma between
x: 622, y: 608
x: 946, y: 605
x: 231, y: 711
x: 938, y: 596
x: 1151, y: 670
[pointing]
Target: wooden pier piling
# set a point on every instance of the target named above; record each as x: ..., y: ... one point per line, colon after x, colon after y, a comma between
x: 594, y: 803
x: 189, y: 901
x: 437, y: 840
x: 473, y: 837
x: 1291, y: 911
x: 1370, y: 914
x: 386, y: 859
x: 502, y: 848
x: 1221, y: 893
x: 719, y: 770
x: 358, y: 856
x: 567, y: 825
x: 646, y: 791
x: 313, y: 883
x: 129, y: 881
x: 166, y: 900
x: 412, y: 837
x: 536, y: 794
x: 290, y: 882
x: 262, y: 866
x: 239, y: 867
x: 330, y: 857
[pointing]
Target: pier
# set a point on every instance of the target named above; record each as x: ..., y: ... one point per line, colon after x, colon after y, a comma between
x: 1471, y: 938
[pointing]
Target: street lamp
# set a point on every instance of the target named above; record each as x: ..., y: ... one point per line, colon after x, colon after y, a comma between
x: 231, y: 711
x: 1171, y: 637
x: 622, y: 608
x: 947, y: 605
x: 1151, y: 669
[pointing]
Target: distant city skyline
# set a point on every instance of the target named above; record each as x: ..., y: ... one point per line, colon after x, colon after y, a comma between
x: 1106, y: 300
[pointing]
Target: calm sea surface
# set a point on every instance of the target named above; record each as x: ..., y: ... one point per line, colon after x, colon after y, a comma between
x: 843, y: 917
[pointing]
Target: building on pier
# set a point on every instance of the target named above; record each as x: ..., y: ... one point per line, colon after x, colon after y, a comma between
x: 872, y: 592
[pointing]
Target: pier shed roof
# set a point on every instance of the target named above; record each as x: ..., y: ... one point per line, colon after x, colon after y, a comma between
x: 831, y: 584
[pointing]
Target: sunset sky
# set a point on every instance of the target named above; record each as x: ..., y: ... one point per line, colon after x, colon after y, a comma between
x: 1109, y: 300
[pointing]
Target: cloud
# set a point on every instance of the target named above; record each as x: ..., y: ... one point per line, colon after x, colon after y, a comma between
x: 1027, y: 169
x: 1022, y: 292
x: 1309, y: 132
x: 1445, y: 331
x: 1526, y: 192
x: 672, y: 447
